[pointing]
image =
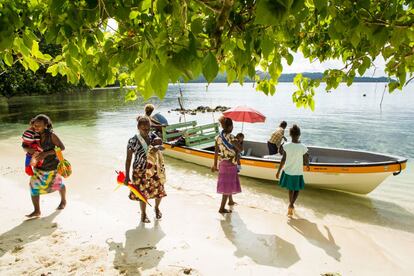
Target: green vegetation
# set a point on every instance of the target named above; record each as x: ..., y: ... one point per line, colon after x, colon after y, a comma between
x: 161, y: 41
x: 16, y: 81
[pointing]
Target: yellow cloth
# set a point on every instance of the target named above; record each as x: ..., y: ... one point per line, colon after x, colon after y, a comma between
x: 155, y: 164
x: 277, y: 136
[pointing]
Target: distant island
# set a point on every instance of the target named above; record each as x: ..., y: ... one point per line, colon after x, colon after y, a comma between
x: 288, y: 78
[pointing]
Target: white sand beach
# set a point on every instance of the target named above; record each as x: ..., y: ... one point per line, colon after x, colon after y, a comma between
x: 99, y: 231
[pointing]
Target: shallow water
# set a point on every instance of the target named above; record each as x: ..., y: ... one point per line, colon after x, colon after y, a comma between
x: 102, y: 122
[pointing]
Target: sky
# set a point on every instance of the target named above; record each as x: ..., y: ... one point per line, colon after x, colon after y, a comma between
x: 301, y: 64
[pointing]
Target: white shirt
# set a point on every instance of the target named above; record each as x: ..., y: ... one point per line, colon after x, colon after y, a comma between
x: 294, y: 158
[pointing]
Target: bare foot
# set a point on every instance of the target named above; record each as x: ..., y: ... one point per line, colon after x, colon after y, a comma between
x: 290, y: 212
x: 224, y: 211
x: 145, y: 219
x: 232, y: 203
x: 158, y: 214
x: 62, y: 205
x: 34, y: 214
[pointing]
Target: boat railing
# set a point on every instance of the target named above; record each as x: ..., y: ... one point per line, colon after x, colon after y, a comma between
x: 201, y: 135
x: 174, y: 131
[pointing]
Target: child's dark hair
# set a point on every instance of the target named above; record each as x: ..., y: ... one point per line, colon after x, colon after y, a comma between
x: 241, y: 135
x: 227, y: 122
x: 43, y: 118
x: 143, y: 120
x: 149, y: 108
x: 283, y: 124
x: 294, y: 131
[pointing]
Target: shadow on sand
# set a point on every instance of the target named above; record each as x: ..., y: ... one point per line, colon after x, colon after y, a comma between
x: 263, y: 249
x: 139, y: 252
x: 26, y: 232
x: 311, y: 232
x: 323, y: 202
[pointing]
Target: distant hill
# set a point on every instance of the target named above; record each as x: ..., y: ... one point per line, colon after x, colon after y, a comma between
x: 290, y: 77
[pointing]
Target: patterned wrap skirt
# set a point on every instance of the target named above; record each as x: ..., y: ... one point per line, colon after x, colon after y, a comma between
x: 151, y: 186
x: 228, y: 182
x: 45, y: 182
x: 292, y: 182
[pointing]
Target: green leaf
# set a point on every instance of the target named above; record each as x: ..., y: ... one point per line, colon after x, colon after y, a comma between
x: 20, y: 47
x: 35, y: 50
x: 240, y: 44
x: 8, y: 58
x: 53, y: 69
x: 159, y: 81
x: 312, y: 104
x: 231, y: 76
x: 270, y: 12
x: 267, y: 46
x: 210, y: 67
x: 133, y: 14
x: 141, y: 73
x: 197, y: 26
x: 33, y: 65
x: 146, y: 4
x: 131, y: 95
x: 146, y: 91
x: 320, y: 4
x: 289, y: 59
x: 73, y: 49
x: 355, y: 39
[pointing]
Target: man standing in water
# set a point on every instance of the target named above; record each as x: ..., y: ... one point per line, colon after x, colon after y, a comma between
x: 275, y: 140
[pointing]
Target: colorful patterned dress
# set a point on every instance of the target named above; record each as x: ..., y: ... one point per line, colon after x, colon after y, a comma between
x: 45, y: 178
x: 148, y: 169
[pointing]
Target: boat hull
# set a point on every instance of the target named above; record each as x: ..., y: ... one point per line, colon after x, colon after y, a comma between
x: 360, y: 179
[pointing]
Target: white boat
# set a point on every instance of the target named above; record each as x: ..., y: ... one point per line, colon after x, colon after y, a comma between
x: 330, y: 168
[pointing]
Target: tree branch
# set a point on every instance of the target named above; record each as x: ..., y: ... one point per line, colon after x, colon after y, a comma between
x: 208, y: 6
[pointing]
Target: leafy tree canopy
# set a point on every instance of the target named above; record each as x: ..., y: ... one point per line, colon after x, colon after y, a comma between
x: 161, y: 41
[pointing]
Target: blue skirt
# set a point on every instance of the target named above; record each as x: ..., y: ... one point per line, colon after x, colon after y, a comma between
x: 292, y: 182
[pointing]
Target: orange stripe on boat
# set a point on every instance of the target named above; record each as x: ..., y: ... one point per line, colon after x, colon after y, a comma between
x: 313, y: 168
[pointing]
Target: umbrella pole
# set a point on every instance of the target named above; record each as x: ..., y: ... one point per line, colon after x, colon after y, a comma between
x: 244, y: 115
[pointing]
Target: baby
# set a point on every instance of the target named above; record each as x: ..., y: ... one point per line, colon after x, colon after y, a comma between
x: 239, y: 139
x: 31, y: 139
x: 157, y: 144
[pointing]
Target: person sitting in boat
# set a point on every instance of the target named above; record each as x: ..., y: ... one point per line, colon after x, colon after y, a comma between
x: 226, y: 150
x: 276, y: 138
x: 295, y: 155
x: 239, y: 139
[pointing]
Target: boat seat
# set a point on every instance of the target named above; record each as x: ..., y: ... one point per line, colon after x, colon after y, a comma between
x: 273, y: 157
x: 313, y: 159
x: 204, y: 145
x: 247, y: 152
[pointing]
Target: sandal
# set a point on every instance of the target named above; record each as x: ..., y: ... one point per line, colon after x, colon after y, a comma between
x: 158, y: 214
x: 145, y: 219
x: 224, y: 211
